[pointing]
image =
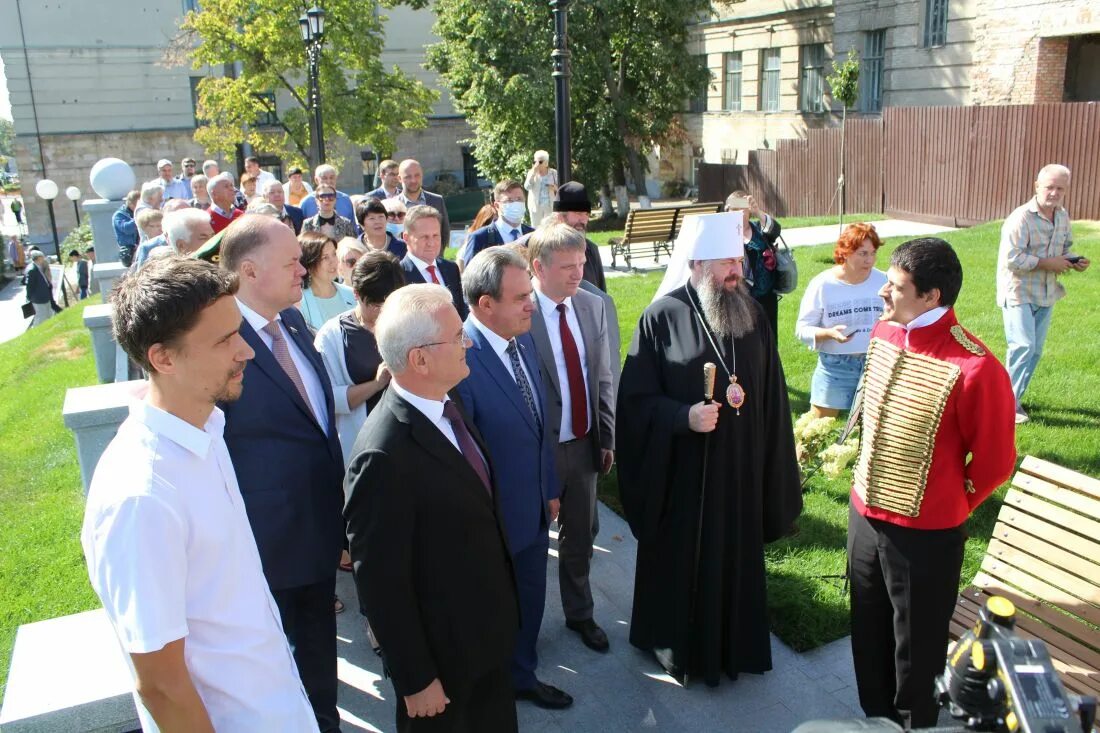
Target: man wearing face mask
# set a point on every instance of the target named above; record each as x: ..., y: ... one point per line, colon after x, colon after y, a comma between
x: 508, y: 196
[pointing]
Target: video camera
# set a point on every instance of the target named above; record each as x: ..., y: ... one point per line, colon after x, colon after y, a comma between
x: 995, y: 681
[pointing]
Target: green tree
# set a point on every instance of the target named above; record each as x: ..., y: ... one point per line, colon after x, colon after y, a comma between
x: 7, y: 140
x: 361, y: 101
x: 844, y: 88
x: 631, y: 74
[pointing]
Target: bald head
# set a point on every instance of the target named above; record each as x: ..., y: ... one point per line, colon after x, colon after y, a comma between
x: 412, y: 177
x: 266, y: 255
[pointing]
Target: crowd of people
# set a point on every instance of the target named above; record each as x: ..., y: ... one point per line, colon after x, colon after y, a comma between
x: 326, y: 391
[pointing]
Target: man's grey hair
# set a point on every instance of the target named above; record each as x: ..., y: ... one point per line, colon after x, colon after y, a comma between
x: 553, y: 237
x: 270, y: 186
x: 409, y: 319
x: 212, y: 182
x: 179, y: 226
x: 259, y: 206
x: 149, y: 187
x: 422, y: 211
x: 323, y: 169
x: 1053, y: 169
x: 485, y: 272
x: 208, y: 164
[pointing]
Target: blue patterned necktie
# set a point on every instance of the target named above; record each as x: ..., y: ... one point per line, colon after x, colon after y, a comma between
x: 524, y: 385
x: 515, y: 234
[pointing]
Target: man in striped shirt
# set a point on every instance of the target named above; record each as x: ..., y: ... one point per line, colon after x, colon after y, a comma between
x: 1035, y: 249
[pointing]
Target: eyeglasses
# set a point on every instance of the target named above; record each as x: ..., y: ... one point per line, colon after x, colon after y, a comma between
x: 326, y: 196
x: 391, y: 215
x: 465, y: 340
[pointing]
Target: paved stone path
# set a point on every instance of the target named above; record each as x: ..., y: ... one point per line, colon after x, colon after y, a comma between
x: 624, y: 690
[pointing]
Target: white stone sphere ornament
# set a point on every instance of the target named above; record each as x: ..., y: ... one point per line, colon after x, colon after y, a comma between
x: 112, y: 178
x: 46, y: 189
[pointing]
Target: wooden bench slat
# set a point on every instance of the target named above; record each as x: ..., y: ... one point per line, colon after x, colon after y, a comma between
x: 1034, y: 619
x: 1060, y: 495
x: 1039, y: 548
x: 1060, y: 475
x: 1040, y: 568
x: 1012, y: 518
x: 1032, y: 585
x: 1062, y: 517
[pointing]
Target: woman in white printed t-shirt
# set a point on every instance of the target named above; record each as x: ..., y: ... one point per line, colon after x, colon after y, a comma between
x: 838, y: 311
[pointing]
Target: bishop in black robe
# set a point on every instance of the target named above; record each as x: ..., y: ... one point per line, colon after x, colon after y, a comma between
x: 752, y: 490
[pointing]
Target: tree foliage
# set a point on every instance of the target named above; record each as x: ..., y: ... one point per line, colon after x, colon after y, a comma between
x: 844, y: 81
x: 631, y: 75
x: 361, y: 101
x: 7, y: 138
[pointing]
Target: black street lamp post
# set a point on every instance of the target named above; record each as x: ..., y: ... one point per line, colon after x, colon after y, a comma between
x: 74, y: 195
x: 312, y: 26
x: 560, y: 56
x: 47, y: 191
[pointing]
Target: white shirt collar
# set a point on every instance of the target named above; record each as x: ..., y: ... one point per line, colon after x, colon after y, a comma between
x: 420, y: 264
x: 926, y: 319
x: 180, y: 431
x: 498, y: 343
x: 254, y: 319
x: 431, y: 409
x: 549, y: 307
x: 506, y: 229
x: 219, y: 209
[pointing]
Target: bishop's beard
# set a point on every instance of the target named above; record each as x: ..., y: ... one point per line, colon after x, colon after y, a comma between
x: 728, y: 313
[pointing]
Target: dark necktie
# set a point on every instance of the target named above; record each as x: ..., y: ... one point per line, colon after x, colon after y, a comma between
x: 431, y: 272
x: 466, y: 443
x: 515, y: 234
x: 282, y: 355
x: 524, y: 385
x: 578, y: 395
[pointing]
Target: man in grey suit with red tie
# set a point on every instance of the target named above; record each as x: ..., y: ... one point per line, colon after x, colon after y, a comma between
x: 281, y: 435
x: 569, y: 327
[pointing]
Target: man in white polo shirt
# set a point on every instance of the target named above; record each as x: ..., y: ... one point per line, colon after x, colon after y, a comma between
x: 169, y: 548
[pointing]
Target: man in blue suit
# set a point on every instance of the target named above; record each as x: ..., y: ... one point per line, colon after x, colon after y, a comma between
x: 506, y: 228
x: 505, y: 399
x: 282, y: 439
x: 422, y: 262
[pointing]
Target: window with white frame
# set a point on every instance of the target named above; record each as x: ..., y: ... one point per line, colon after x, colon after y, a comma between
x: 812, y: 87
x: 769, y: 80
x: 871, y: 75
x: 935, y: 23
x: 731, y: 98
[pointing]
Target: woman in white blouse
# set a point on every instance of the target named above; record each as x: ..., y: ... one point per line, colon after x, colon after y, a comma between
x: 838, y: 311
x: 542, y: 188
x: 349, y: 350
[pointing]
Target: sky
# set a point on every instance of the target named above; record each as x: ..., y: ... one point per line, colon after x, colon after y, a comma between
x: 5, y: 103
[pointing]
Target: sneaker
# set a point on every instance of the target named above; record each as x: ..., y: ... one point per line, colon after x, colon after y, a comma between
x: 1021, y: 416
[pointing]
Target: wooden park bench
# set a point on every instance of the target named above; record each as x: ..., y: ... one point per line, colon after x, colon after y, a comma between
x: 656, y: 228
x: 1044, y: 556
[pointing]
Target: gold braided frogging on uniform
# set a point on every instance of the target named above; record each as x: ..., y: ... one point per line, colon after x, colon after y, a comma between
x: 904, y: 395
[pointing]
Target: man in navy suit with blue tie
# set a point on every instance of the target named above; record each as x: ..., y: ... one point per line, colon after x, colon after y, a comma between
x: 508, y: 226
x: 282, y: 437
x: 504, y: 398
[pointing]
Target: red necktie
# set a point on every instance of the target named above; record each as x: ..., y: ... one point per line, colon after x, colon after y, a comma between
x: 431, y: 271
x: 578, y: 395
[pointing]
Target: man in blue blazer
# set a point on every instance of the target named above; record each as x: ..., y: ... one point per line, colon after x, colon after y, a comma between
x: 275, y: 195
x: 282, y: 438
x: 505, y: 399
x: 423, y: 263
x: 508, y: 226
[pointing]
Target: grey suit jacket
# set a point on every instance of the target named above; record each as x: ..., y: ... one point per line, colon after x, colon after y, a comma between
x: 592, y: 317
x: 614, y: 338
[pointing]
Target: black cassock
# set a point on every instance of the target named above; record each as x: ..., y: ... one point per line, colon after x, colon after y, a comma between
x: 752, y: 497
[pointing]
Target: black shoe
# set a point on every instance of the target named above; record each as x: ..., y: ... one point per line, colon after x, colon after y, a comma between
x: 592, y: 635
x: 545, y: 696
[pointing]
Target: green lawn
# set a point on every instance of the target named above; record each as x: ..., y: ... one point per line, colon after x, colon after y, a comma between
x: 808, y: 609
x: 41, y: 506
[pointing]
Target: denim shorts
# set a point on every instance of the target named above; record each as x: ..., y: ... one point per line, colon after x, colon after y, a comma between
x: 835, y: 380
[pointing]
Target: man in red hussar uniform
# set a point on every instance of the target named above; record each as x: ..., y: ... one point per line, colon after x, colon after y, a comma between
x: 938, y: 436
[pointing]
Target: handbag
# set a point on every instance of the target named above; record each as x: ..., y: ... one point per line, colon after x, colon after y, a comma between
x: 786, y: 269
x: 28, y: 310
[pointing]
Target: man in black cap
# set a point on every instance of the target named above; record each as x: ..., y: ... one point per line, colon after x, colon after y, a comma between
x: 574, y: 208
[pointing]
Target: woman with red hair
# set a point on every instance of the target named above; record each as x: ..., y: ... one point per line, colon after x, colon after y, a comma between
x: 839, y: 308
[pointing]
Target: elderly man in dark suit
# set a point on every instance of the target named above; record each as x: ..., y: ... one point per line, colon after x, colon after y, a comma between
x: 506, y: 401
x: 506, y: 228
x: 275, y: 195
x: 423, y: 262
x: 570, y: 332
x: 431, y: 559
x: 282, y: 438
